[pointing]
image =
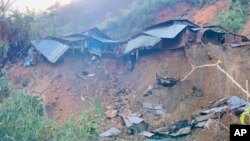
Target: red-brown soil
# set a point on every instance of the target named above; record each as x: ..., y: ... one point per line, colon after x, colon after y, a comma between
x: 202, y: 16
x: 65, y: 94
x: 245, y: 29
x: 179, y: 11
x: 206, y: 15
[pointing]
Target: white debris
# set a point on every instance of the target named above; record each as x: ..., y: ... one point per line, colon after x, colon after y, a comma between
x: 111, y: 132
x: 155, y: 109
x: 181, y: 132
x: 130, y: 121
x: 146, y: 134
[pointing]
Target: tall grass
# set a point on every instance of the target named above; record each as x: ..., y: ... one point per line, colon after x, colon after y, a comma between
x: 22, y: 119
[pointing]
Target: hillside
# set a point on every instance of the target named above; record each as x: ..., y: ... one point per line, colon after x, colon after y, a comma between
x: 121, y: 19
x: 81, y: 95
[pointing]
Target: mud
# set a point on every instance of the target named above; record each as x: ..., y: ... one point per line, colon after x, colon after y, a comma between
x: 65, y: 94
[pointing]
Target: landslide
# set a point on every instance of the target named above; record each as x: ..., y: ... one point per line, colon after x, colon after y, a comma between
x: 66, y: 94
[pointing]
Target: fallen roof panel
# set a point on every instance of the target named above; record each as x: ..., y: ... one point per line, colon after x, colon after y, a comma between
x: 51, y: 49
x: 141, y: 41
x: 166, y: 32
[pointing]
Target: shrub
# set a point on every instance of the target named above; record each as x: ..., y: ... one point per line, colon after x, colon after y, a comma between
x: 234, y: 17
x: 4, y: 88
x: 22, y: 118
x: 133, y: 21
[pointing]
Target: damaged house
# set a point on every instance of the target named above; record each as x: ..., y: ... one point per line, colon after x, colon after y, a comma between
x: 174, y: 33
x: 218, y: 36
x: 52, y: 50
x: 167, y: 35
x: 171, y: 34
x: 94, y: 41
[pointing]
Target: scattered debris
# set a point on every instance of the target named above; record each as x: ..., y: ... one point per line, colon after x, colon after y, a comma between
x: 135, y: 124
x: 166, y: 81
x: 181, y: 132
x: 84, y: 74
x: 82, y: 98
x: 30, y: 59
x: 180, y: 128
x: 148, y: 91
x: 154, y: 108
x: 216, y: 109
x: 81, y: 76
x: 111, y: 132
x: 111, y: 114
x: 130, y: 121
x: 146, y: 134
x: 122, y: 92
x: 231, y: 103
x: 197, y: 91
x: 91, y: 75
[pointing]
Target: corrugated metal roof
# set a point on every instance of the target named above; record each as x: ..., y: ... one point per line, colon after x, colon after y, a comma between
x: 73, y: 38
x: 141, y: 41
x: 212, y: 28
x: 104, y: 40
x: 166, y: 32
x: 51, y: 49
x: 171, y: 22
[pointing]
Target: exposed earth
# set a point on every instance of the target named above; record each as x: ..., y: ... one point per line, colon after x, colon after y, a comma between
x: 67, y: 94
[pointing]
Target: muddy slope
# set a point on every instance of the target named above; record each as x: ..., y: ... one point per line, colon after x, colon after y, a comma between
x: 66, y: 94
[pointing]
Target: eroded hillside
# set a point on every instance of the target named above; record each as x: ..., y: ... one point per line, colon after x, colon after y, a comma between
x: 67, y: 94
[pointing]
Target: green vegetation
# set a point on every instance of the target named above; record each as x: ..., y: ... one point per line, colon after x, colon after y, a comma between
x: 133, y: 21
x: 22, y: 118
x: 200, y: 2
x: 235, y: 16
x: 244, y: 115
x: 15, y: 31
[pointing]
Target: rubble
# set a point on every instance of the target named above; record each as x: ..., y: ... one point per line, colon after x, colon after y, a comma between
x: 111, y: 132
x: 148, y: 91
x: 130, y: 121
x: 216, y: 109
x: 231, y: 103
x: 154, y: 109
x: 180, y: 128
x: 181, y: 132
x: 135, y: 124
x: 166, y: 81
x: 111, y: 114
x: 146, y: 134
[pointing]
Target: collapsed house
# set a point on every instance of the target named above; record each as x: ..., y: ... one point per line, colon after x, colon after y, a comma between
x: 218, y: 36
x: 93, y: 41
x: 172, y: 34
x: 50, y: 49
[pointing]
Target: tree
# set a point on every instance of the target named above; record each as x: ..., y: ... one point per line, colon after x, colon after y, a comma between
x: 52, y: 14
x: 15, y: 31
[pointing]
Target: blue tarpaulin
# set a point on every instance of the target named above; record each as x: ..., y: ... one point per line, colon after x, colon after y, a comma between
x: 95, y: 47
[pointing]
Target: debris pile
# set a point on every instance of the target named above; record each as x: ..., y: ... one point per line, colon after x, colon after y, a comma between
x: 166, y: 81
x: 217, y: 109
